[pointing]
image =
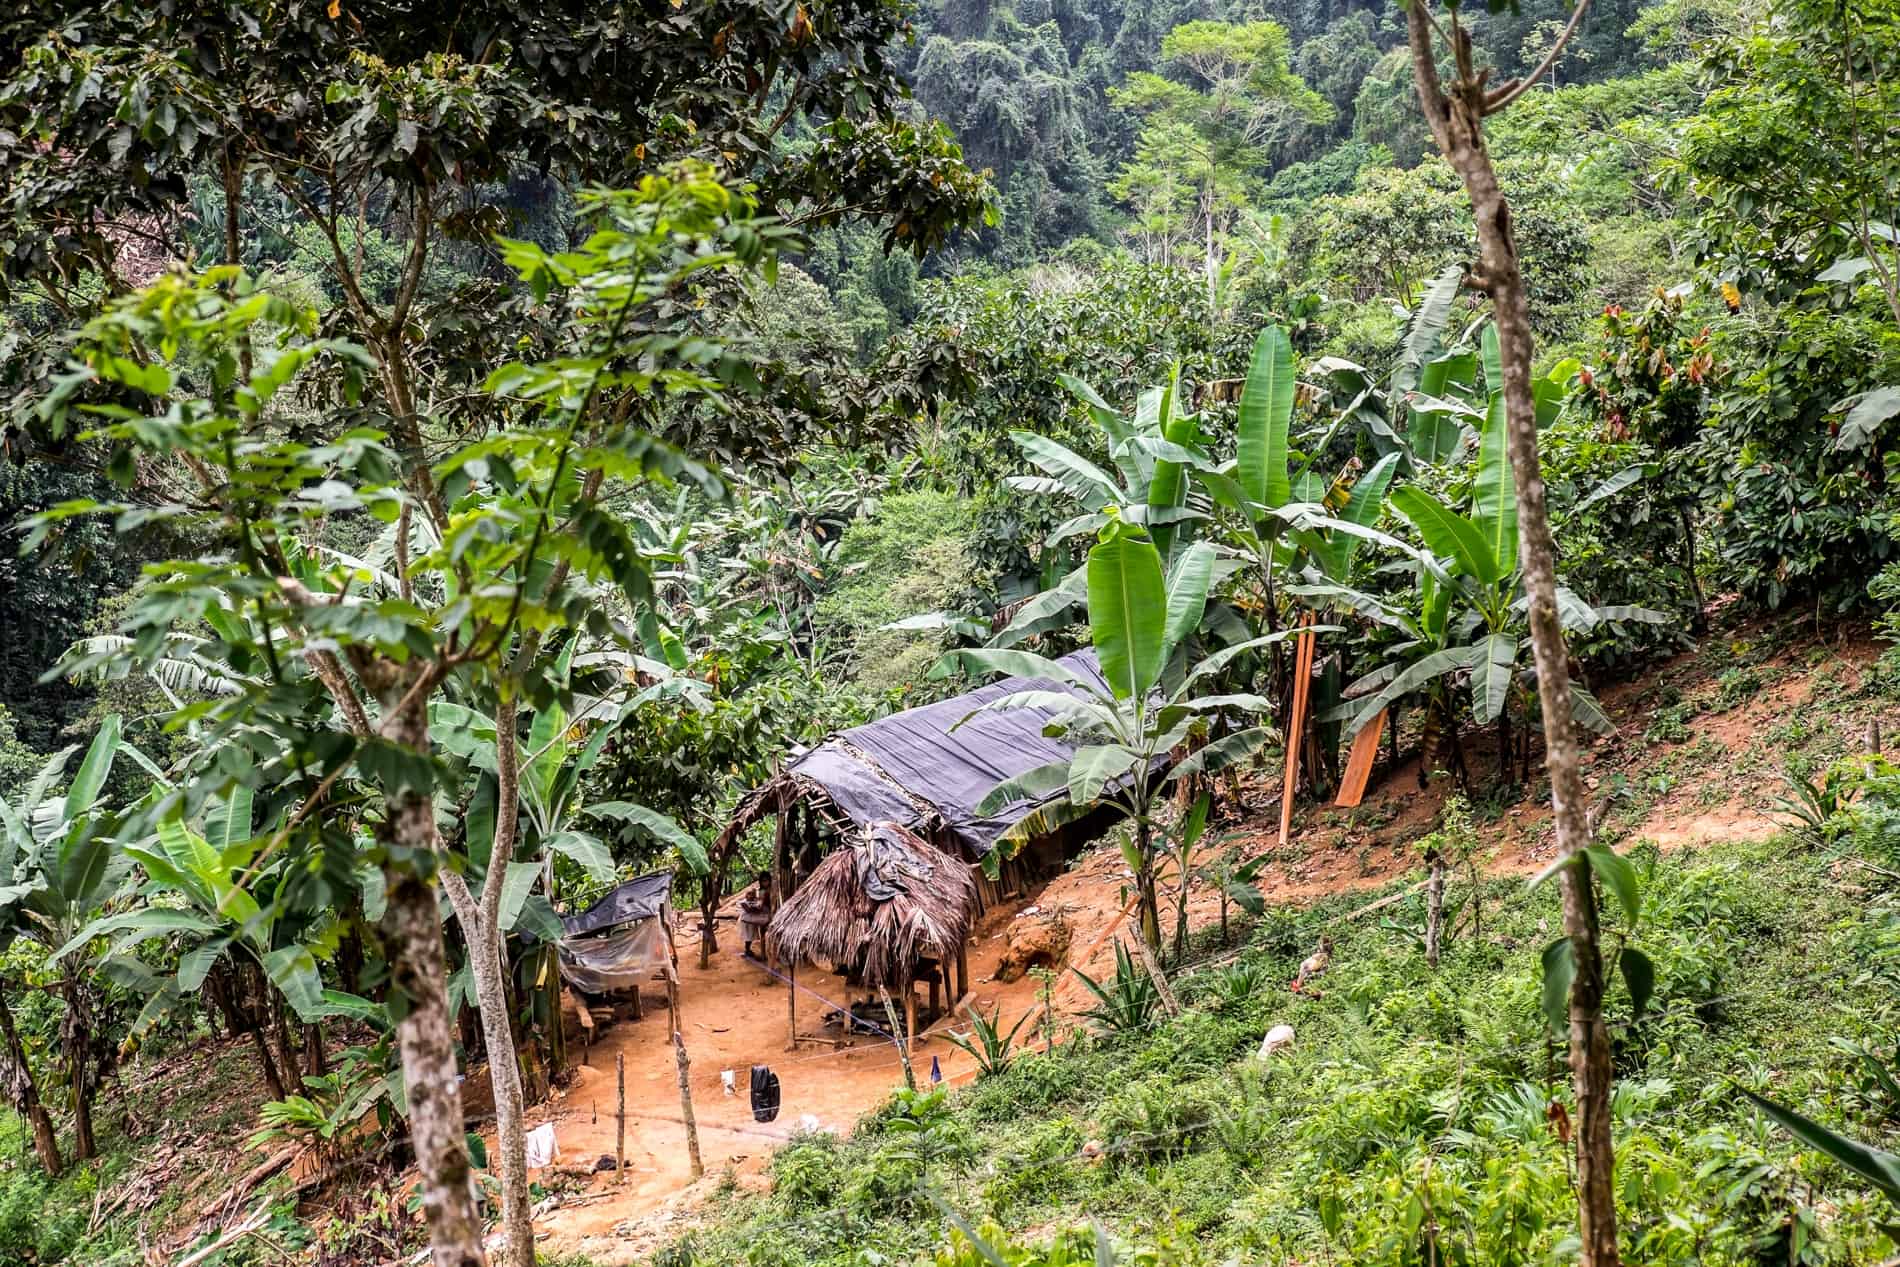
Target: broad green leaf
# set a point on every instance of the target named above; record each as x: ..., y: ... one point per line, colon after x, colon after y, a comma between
x: 1588, y: 713
x: 1491, y: 674
x: 1494, y: 495
x: 1560, y: 969
x: 294, y: 970
x: 1493, y: 361
x: 515, y: 887
x: 1427, y: 326
x: 1448, y: 533
x: 1639, y: 974
x: 1127, y: 611
x: 587, y: 850
x: 1093, y: 767
x: 1266, y: 411
x: 1870, y: 412
x: 1413, y: 676
x: 1610, y: 487
x: 1876, y: 1166
x: 659, y: 825
x: 196, y: 964
x: 229, y: 822
x: 1081, y: 478
x: 1619, y: 877
x: 1009, y: 662
x: 145, y: 924
x: 1035, y: 784
x: 93, y: 771
x: 1223, y: 752
x: 1187, y: 595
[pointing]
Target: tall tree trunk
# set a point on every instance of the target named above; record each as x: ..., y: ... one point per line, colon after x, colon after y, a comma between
x: 1456, y: 115
x: 487, y: 960
x: 17, y: 1077
x: 413, y: 932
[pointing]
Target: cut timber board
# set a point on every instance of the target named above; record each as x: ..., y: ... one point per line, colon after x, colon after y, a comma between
x: 1365, y: 750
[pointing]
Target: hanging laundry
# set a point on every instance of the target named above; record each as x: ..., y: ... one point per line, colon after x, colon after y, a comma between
x: 542, y: 1146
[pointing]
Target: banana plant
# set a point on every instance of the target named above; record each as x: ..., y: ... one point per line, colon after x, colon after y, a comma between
x: 1483, y: 642
x: 57, y: 866
x: 1127, y: 727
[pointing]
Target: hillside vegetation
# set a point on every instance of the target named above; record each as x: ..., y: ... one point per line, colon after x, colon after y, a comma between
x: 451, y: 455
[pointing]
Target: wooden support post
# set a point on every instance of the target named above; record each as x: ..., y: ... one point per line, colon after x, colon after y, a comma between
x: 1295, y: 734
x: 897, y: 1037
x: 686, y: 1083
x: 620, y: 1117
x: 910, y: 1017
x: 963, y: 971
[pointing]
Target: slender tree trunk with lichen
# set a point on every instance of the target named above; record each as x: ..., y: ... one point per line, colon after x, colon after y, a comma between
x: 1456, y: 112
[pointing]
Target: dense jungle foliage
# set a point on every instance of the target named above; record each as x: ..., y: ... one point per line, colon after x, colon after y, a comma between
x: 450, y: 454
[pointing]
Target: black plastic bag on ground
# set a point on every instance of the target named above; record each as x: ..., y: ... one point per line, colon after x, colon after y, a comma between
x: 765, y: 1094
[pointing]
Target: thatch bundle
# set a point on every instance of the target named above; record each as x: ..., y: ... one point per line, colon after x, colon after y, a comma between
x: 883, y: 904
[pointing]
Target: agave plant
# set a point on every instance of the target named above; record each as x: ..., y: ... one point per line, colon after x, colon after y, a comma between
x: 986, y: 1042
x: 1128, y: 1003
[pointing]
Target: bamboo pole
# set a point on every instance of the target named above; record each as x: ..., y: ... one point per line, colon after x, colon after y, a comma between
x: 791, y: 1006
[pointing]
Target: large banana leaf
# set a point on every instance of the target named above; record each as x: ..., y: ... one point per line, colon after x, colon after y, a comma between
x: 1266, y: 411
x: 1493, y: 361
x: 1187, y: 595
x: 1032, y: 784
x: 1127, y: 611
x: 659, y: 825
x: 93, y: 771
x: 1427, y: 327
x: 1448, y: 533
x: 1494, y: 496
x: 1413, y: 676
x: 1876, y: 1166
x: 1222, y: 753
x: 1009, y: 662
x: 1491, y: 674
x: 1081, y: 478
x: 1093, y: 767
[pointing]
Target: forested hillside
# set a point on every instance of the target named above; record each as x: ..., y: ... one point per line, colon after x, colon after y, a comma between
x: 452, y: 455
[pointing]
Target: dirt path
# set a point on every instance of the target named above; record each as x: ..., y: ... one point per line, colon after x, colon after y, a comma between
x: 735, y: 1016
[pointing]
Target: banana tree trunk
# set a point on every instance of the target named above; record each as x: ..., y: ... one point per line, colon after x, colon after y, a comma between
x: 75, y: 1034
x: 1149, y: 903
x: 17, y: 1076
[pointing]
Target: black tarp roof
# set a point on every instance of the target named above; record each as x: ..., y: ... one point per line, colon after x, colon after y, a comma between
x: 635, y: 900
x: 917, y: 753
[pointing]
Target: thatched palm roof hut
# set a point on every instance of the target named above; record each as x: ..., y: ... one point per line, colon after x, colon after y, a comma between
x: 881, y: 908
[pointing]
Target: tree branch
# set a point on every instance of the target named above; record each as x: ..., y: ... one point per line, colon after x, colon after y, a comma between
x: 1507, y: 93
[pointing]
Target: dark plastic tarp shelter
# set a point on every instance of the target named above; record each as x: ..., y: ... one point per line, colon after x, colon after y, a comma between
x: 882, y: 771
x: 621, y: 940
